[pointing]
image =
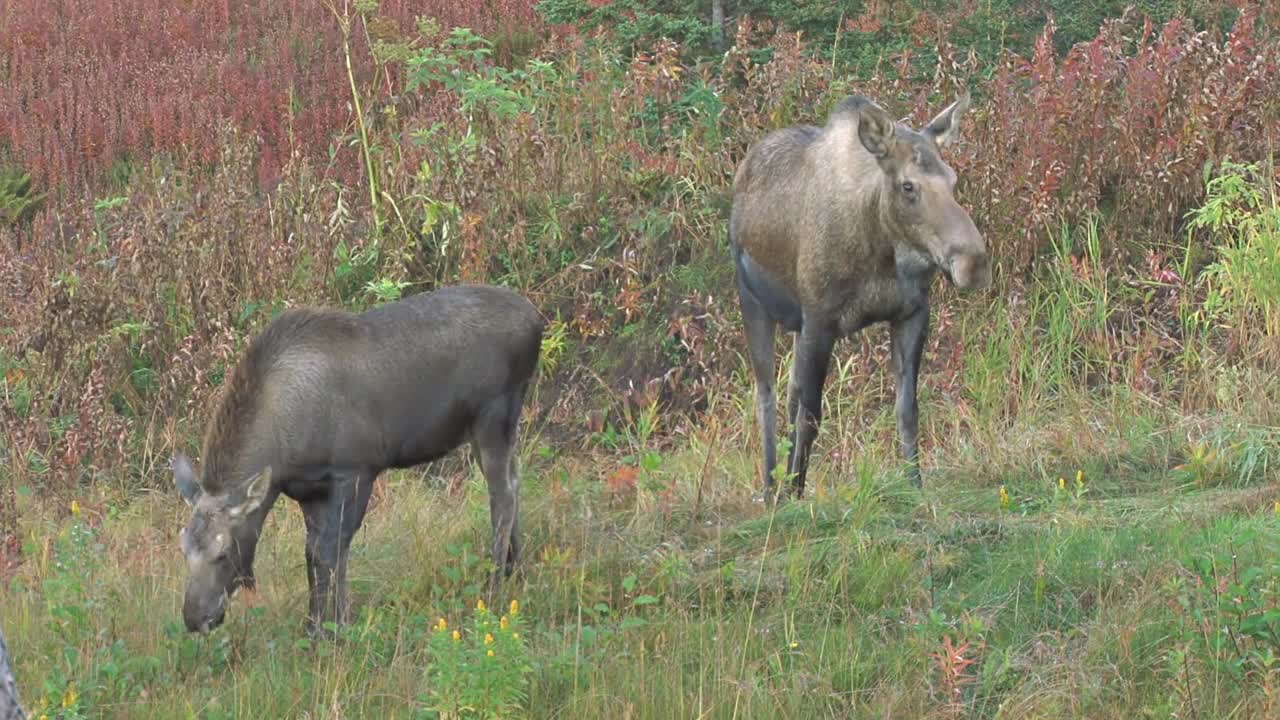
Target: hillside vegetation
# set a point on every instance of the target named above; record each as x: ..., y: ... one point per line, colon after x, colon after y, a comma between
x: 1098, y: 531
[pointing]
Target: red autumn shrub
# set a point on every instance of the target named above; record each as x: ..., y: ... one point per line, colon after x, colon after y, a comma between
x: 1125, y: 124
x: 87, y: 83
x: 604, y: 198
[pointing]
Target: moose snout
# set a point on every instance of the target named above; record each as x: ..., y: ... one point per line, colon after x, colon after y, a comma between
x: 202, y: 617
x: 971, y: 271
x: 202, y: 624
x: 960, y: 250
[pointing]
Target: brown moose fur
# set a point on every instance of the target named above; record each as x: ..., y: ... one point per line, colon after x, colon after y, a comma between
x: 839, y: 227
x: 228, y: 437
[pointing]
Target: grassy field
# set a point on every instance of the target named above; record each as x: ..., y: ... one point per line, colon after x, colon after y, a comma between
x: 1130, y: 588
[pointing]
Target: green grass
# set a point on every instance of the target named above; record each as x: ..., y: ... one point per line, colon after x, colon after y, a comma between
x: 1068, y: 604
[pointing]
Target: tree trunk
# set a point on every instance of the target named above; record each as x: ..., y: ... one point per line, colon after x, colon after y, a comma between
x: 717, y: 24
x: 10, y: 709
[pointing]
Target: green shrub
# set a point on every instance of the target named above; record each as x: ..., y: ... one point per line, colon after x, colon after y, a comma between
x: 480, y: 672
x: 18, y: 203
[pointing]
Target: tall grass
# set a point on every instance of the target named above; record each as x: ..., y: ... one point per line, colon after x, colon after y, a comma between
x: 1063, y: 604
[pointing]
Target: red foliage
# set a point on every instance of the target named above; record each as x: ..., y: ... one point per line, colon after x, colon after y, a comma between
x: 1126, y: 122
x: 88, y: 82
x: 623, y: 480
x: 564, y: 197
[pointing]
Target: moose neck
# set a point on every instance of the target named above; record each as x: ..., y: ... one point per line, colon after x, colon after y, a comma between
x: 866, y: 209
x: 248, y: 534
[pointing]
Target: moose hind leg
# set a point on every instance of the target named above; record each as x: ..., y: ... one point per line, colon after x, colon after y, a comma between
x: 793, y: 386
x: 495, y: 439
x: 907, y: 338
x: 813, y: 357
x: 332, y: 522
x: 760, y: 329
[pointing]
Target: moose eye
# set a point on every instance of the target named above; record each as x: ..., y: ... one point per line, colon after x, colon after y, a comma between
x: 908, y: 187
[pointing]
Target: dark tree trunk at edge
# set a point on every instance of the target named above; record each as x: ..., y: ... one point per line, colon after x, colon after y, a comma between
x: 717, y: 24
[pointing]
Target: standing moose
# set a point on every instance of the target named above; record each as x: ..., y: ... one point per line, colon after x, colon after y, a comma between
x: 324, y: 401
x: 833, y: 229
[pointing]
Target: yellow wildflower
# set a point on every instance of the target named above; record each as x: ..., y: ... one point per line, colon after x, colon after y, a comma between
x: 490, y: 653
x: 515, y: 635
x: 75, y: 508
x: 44, y: 717
x: 457, y: 636
x: 1062, y: 483
x: 515, y: 607
x: 1079, y: 477
x: 69, y: 698
x: 442, y: 625
x: 503, y: 622
x: 1278, y: 508
x: 480, y: 605
x: 488, y: 639
x: 1004, y: 497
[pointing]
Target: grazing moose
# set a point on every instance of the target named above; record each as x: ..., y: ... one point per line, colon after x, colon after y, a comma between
x: 833, y: 229
x: 324, y: 401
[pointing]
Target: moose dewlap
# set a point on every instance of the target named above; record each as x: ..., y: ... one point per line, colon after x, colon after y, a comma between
x: 325, y: 400
x: 833, y: 229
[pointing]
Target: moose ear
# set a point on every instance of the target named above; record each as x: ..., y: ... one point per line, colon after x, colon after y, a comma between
x: 184, y: 477
x: 255, y: 492
x: 875, y: 129
x: 943, y: 127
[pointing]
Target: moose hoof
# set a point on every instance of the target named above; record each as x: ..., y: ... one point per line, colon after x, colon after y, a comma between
x: 326, y: 630
x: 770, y: 496
x: 497, y: 579
x: 319, y: 632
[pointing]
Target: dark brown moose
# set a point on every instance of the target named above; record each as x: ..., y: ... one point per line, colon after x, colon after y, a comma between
x: 833, y: 229
x: 323, y: 401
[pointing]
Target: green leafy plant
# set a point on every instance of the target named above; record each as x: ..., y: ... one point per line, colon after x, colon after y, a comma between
x: 635, y: 23
x: 461, y: 65
x: 1204, y: 463
x: 481, y: 671
x: 1243, y: 283
x: 1236, y: 609
x: 18, y: 203
x: 1075, y: 492
x: 70, y: 597
x: 101, y: 208
x: 385, y: 290
x: 15, y: 388
x: 354, y: 270
x: 553, y: 345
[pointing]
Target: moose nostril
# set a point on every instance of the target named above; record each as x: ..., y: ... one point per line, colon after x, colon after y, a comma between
x: 211, y: 622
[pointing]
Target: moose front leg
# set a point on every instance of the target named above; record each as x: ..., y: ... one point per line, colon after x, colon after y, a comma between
x: 760, y: 330
x: 331, y: 524
x: 907, y: 339
x: 813, y: 357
